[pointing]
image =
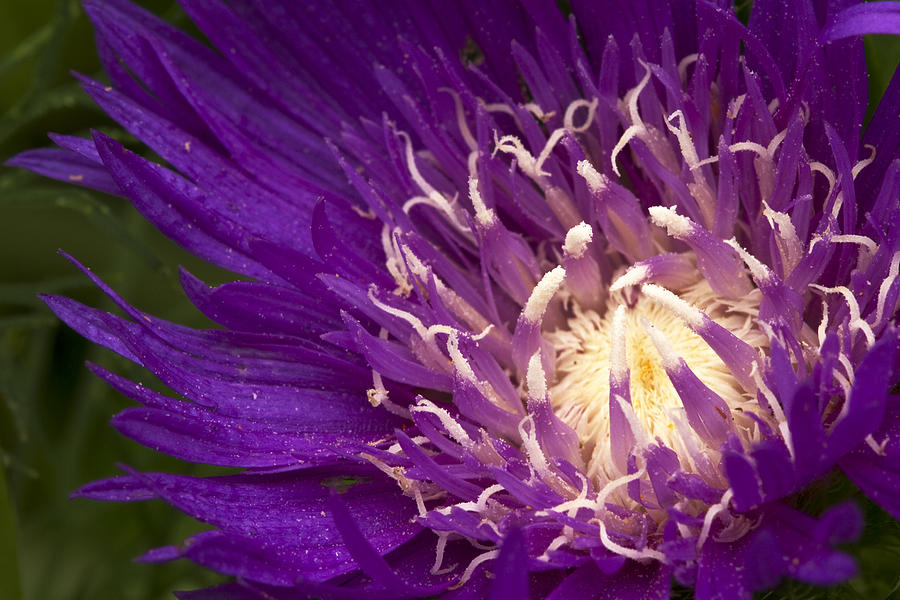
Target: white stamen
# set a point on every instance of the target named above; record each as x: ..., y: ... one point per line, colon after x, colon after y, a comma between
x: 844, y: 360
x: 533, y: 167
x: 750, y: 147
x: 464, y: 130
x: 856, y: 322
x: 537, y: 381
x: 439, y: 555
x: 503, y: 108
x: 397, y: 474
x: 777, y: 411
x: 542, y: 294
x: 572, y: 506
x: 862, y: 240
x: 432, y: 197
x: 414, y: 169
x: 533, y: 449
x: 569, y: 117
x: 420, y: 502
x: 557, y: 542
x: 365, y: 214
x: 683, y: 65
x: 375, y: 395
x: 804, y: 111
x: 875, y: 446
x: 867, y: 248
x: 641, y: 439
x: 668, y: 358
x: 705, y: 161
x: 413, y: 263
x: 484, y: 332
x: 378, y: 394
x: 419, y: 440
x: 637, y: 127
x: 535, y: 109
x: 631, y: 132
x: 554, y: 139
x: 838, y: 204
x: 859, y: 166
x: 577, y: 240
x: 472, y: 163
x: 510, y: 144
x: 759, y: 271
x: 467, y: 574
x: 676, y: 225
x: 440, y: 203
x: 618, y: 366
x: 776, y: 141
x: 486, y: 216
x: 734, y: 107
x: 410, y: 318
x: 394, y: 262
x: 480, y: 545
x: 817, y: 167
x: 846, y: 387
x: 635, y: 275
x: 688, y: 151
x: 596, y: 181
x: 823, y: 324
x: 788, y: 241
x: 604, y: 534
x: 711, y: 514
x: 685, y: 311
x: 484, y: 496
x: 415, y: 201
x: 886, y: 286
x: 452, y: 426
x: 460, y: 363
x: 631, y: 96
x: 446, y: 510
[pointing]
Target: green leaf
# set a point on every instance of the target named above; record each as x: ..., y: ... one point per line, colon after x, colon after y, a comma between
x: 65, y: 97
x: 27, y: 48
x: 882, y: 57
x: 28, y: 321
x: 89, y: 205
x: 27, y: 293
x: 9, y: 562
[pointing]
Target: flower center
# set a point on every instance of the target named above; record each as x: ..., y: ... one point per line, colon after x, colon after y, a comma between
x: 585, y: 355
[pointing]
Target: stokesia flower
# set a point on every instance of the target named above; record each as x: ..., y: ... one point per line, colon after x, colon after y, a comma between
x: 532, y: 303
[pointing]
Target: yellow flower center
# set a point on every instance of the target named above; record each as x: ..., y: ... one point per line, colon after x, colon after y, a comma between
x: 580, y: 393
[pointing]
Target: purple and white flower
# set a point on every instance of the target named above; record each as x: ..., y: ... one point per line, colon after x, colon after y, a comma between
x: 532, y: 304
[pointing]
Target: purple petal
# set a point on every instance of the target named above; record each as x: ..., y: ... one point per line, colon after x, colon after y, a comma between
x: 67, y: 166
x: 634, y: 582
x: 511, y: 569
x: 883, y: 17
x: 866, y: 404
x: 276, y: 528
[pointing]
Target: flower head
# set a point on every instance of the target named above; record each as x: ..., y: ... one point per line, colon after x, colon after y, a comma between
x: 590, y: 304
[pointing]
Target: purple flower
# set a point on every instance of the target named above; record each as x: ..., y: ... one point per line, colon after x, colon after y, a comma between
x: 533, y: 304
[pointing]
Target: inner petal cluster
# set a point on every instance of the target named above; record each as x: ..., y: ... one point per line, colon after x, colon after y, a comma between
x: 587, y: 348
x: 604, y: 361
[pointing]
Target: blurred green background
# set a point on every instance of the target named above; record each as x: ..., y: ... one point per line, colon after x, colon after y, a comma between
x: 54, y: 433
